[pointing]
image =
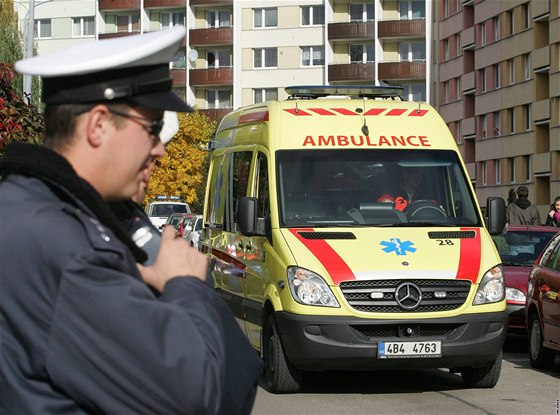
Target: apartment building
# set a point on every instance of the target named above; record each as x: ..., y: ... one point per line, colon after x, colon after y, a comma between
x: 499, y: 91
x: 58, y: 24
x: 238, y: 52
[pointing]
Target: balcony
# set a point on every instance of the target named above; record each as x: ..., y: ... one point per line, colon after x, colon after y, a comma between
x: 179, y: 77
x: 164, y: 3
x: 415, y: 28
x: 119, y: 5
x: 211, y: 3
x: 117, y: 34
x: 211, y: 36
x: 351, y: 30
x: 216, y: 114
x: 211, y: 76
x: 352, y: 72
x: 415, y: 70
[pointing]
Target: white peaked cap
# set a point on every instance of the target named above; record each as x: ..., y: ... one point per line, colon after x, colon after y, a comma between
x: 130, y: 68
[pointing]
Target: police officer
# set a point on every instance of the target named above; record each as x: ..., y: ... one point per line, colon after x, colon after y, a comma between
x: 84, y: 327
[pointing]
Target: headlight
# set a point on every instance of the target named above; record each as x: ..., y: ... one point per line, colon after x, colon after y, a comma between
x: 513, y: 294
x: 309, y: 288
x: 491, y: 288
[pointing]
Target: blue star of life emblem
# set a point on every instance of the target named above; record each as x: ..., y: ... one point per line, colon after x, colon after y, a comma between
x: 398, y: 246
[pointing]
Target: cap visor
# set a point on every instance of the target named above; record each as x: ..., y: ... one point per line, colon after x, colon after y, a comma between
x: 165, y: 101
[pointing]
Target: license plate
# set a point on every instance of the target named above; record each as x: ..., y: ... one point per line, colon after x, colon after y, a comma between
x: 387, y: 350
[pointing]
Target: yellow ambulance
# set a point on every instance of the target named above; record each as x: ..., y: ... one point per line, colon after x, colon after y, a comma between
x: 346, y: 235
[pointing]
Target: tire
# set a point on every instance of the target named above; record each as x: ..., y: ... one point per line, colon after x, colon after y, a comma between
x: 539, y: 355
x: 281, y: 376
x: 484, y: 377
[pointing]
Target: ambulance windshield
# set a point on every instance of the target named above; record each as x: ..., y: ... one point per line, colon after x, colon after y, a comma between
x: 374, y: 188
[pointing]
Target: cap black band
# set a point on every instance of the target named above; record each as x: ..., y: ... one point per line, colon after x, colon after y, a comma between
x: 107, y: 85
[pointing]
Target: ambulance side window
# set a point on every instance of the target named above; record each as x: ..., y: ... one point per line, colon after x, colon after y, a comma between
x: 216, y: 193
x: 238, y: 181
x: 263, y: 206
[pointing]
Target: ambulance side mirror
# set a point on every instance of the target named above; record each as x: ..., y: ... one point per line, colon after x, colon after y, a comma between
x: 496, y: 215
x: 249, y: 223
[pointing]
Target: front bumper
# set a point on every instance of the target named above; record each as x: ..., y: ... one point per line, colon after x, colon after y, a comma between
x: 318, y: 343
x: 517, y: 323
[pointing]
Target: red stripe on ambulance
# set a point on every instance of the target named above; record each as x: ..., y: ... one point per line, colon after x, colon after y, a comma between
x: 396, y: 112
x: 469, y: 259
x: 333, y: 263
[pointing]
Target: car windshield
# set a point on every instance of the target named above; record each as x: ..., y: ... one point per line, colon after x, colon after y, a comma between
x: 373, y: 188
x: 521, y: 247
x: 167, y: 209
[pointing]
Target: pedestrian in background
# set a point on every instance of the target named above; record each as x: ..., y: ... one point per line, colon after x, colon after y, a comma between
x: 84, y: 327
x: 522, y: 211
x: 553, y: 217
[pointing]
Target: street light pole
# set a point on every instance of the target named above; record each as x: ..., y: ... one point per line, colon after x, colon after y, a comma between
x: 27, y: 79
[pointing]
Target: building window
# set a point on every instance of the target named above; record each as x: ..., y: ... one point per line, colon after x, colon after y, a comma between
x: 218, y: 98
x: 128, y: 23
x: 458, y: 132
x: 527, y: 116
x: 414, y: 92
x: 218, y: 18
x: 497, y: 123
x: 458, y: 44
x: 497, y: 76
x: 527, y: 165
x: 497, y: 28
x: 511, y: 163
x: 218, y: 58
x: 484, y: 173
x: 511, y: 70
x: 42, y: 28
x: 412, y: 10
x: 361, y: 12
x: 83, y: 26
x: 498, y: 171
x: 312, y: 15
x: 412, y: 51
x: 446, y: 49
x: 264, y: 94
x: 527, y: 63
x: 511, y: 22
x: 179, y: 60
x: 312, y: 56
x: 526, y: 16
x: 362, y: 53
x: 458, y: 91
x: 484, y: 125
x: 172, y: 19
x: 265, y: 18
x: 483, y: 79
x: 265, y: 58
x: 511, y: 117
x: 482, y: 34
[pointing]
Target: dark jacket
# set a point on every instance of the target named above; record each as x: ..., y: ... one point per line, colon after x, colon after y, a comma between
x: 81, y: 332
x: 551, y: 221
x: 523, y: 212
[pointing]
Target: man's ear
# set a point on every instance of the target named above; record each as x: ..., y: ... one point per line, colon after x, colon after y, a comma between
x: 97, y: 123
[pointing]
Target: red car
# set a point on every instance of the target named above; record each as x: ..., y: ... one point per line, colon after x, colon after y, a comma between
x: 519, y: 248
x: 543, y: 307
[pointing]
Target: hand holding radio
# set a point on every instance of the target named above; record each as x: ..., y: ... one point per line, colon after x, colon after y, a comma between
x: 174, y: 258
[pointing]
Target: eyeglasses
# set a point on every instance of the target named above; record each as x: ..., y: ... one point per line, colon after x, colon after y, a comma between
x: 153, y: 128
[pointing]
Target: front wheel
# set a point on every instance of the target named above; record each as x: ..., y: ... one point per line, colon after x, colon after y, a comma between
x: 540, y: 356
x: 281, y: 376
x: 483, y: 377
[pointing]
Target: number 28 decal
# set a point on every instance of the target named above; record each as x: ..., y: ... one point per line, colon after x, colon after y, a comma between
x: 445, y: 242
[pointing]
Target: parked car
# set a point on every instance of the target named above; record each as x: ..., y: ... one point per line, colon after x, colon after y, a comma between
x: 519, y: 247
x: 181, y: 226
x: 192, y: 233
x: 161, y: 209
x: 174, y: 219
x: 543, y: 306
